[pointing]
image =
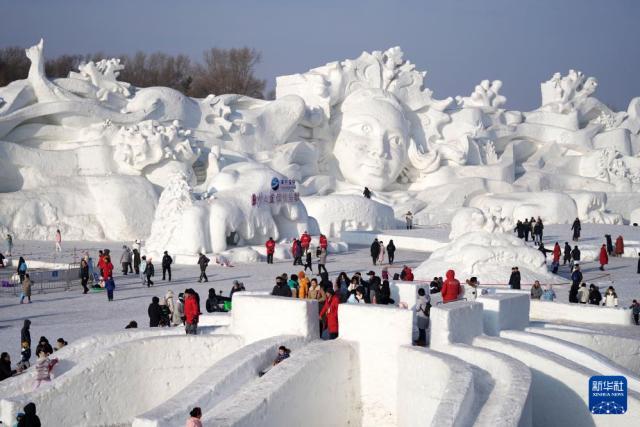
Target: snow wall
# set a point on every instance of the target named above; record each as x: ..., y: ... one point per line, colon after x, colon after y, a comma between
x: 377, y: 354
x: 581, y: 313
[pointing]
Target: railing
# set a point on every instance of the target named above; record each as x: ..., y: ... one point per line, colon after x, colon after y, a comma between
x: 43, y: 281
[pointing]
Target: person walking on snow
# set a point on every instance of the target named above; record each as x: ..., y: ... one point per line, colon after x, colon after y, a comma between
x: 296, y: 252
x: 567, y: 253
x: 125, y: 260
x: 149, y: 272
x: 271, y: 248
x: 375, y: 250
x: 619, y: 246
x: 203, y: 262
x: 604, y: 257
x: 308, y: 262
x: 635, y: 310
x: 526, y: 227
x: 514, y: 279
x: 391, y: 251
x: 305, y: 241
x: 556, y: 258
x: 381, y: 253
x: 409, y: 220
x: 450, y: 288
x: 576, y: 227
x: 58, y: 241
x: 136, y: 261
x: 324, y: 243
x: 322, y: 260
x: 9, y: 240
x: 110, y: 286
x: 155, y: 312
x: 166, y: 265
x: 84, y: 275
x: 26, y: 289
x: 575, y: 256
x: 366, y: 193
x: 423, y: 307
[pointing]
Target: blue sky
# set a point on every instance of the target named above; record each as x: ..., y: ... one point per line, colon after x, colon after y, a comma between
x: 459, y: 42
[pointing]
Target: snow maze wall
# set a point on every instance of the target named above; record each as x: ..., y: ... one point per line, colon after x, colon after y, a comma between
x: 487, y: 365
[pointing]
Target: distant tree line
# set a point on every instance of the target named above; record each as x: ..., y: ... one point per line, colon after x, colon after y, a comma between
x: 221, y: 70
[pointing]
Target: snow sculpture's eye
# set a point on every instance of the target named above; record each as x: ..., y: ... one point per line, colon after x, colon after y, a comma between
x: 366, y: 129
x: 394, y: 140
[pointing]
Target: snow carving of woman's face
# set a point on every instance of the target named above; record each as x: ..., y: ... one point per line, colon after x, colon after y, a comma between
x: 371, y: 144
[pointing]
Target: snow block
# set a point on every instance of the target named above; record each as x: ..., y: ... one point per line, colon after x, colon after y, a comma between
x: 623, y: 350
x: 437, y: 389
x: 560, y: 387
x: 256, y: 317
x: 455, y: 322
x: 124, y: 381
x: 219, y: 382
x: 582, y: 313
x: 407, y: 293
x: 315, y: 387
x: 377, y: 332
x: 504, y: 311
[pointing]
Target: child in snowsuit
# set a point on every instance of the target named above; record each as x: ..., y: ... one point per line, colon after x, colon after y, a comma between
x: 44, y: 366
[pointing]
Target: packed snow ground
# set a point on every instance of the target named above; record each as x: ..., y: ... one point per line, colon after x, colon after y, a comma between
x: 72, y: 315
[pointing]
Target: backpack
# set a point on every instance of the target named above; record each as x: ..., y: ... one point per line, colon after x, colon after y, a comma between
x: 318, y: 252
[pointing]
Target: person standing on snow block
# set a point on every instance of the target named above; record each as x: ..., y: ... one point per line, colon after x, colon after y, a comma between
x: 604, y: 258
x: 375, y: 250
x: 203, y: 262
x: 166, y: 265
x: 271, y: 248
x: 576, y: 227
x: 450, y: 288
x: 305, y: 241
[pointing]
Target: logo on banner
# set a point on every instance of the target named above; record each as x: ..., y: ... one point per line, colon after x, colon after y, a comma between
x: 608, y: 395
x: 275, y: 184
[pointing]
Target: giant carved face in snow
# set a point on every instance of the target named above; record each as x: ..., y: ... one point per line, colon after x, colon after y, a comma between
x: 371, y: 142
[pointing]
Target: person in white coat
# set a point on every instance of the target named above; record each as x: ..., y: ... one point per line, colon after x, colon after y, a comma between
x: 381, y: 253
x: 610, y: 298
x: 175, y: 320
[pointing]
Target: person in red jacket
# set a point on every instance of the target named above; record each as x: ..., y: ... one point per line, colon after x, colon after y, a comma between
x: 619, y: 246
x: 330, y: 309
x: 323, y: 241
x: 604, y: 257
x: 305, y: 241
x: 271, y: 248
x: 450, y: 288
x: 107, y: 267
x: 191, y: 312
x: 557, y: 252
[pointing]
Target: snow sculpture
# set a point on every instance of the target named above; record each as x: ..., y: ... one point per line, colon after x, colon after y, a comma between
x: 334, y: 129
x: 489, y: 257
x: 472, y: 219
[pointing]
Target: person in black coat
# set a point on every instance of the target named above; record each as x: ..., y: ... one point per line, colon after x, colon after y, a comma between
x: 391, y: 251
x: 155, y: 312
x: 567, y: 253
x: 25, y: 334
x: 136, y: 260
x: 281, y: 289
x: 519, y: 229
x: 43, y: 345
x: 166, y: 265
x: 573, y: 292
x: 5, y: 367
x: 594, y: 295
x: 514, y: 279
x: 203, y: 262
x: 526, y: 228
x: 375, y: 250
x: 30, y: 418
x: 575, y: 254
x: 638, y: 263
x: 576, y: 227
x: 366, y: 193
x: 609, y: 244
